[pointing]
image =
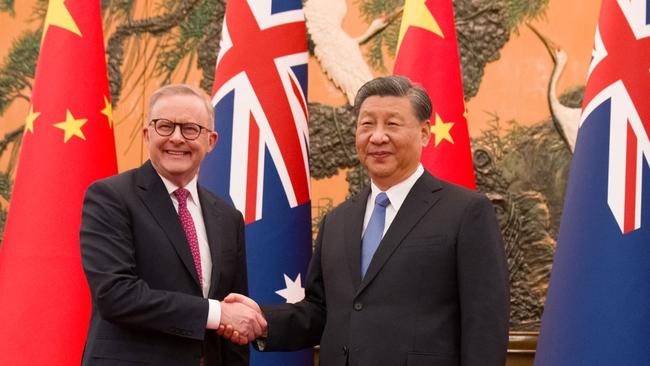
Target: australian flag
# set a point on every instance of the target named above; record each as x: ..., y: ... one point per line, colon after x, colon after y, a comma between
x: 598, y: 306
x: 260, y: 163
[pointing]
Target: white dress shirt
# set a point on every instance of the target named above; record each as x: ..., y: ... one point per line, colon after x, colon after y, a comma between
x: 396, y: 195
x: 194, y: 207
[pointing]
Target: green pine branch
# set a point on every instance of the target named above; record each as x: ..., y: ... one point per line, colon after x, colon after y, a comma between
x: 187, y: 41
x: 7, y: 6
x: 18, y: 68
x: 520, y: 11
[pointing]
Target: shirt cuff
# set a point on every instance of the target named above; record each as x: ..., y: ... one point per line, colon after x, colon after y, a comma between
x: 261, y: 344
x: 214, y: 314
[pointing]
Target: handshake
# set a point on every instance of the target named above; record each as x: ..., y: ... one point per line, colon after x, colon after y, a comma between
x: 241, y: 319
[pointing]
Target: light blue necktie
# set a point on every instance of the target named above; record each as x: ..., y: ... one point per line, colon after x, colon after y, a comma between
x: 374, y: 231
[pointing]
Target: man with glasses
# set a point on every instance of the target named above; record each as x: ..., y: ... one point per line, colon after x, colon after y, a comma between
x: 159, y: 251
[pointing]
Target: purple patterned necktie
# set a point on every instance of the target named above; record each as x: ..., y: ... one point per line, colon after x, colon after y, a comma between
x: 190, y: 231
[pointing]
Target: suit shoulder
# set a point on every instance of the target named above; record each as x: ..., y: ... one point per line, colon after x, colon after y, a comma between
x: 460, y: 190
x: 126, y: 178
x: 358, y: 198
x: 462, y: 195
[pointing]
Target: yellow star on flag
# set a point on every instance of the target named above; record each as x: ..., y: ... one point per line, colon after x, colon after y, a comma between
x: 71, y: 126
x: 441, y: 130
x: 108, y: 111
x: 59, y: 15
x: 31, y: 117
x: 416, y: 14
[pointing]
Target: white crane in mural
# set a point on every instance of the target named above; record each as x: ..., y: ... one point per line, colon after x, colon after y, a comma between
x: 565, y: 119
x: 338, y: 53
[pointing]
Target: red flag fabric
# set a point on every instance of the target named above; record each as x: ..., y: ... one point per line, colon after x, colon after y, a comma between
x: 427, y: 54
x: 68, y: 143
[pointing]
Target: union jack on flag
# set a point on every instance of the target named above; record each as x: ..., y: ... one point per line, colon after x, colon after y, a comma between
x: 262, y: 59
x: 619, y: 74
x: 597, y: 309
x: 260, y: 163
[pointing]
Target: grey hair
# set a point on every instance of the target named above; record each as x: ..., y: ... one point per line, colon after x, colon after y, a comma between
x: 182, y: 89
x: 396, y: 86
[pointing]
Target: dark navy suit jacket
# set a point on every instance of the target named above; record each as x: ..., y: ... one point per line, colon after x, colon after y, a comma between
x: 147, y: 304
x: 435, y: 293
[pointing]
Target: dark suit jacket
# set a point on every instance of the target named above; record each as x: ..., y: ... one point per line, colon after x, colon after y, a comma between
x: 147, y: 302
x: 435, y: 293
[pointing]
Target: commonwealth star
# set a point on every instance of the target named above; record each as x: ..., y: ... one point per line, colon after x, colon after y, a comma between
x: 294, y: 291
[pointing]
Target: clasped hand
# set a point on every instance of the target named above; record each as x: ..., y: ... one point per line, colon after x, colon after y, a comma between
x: 241, y: 319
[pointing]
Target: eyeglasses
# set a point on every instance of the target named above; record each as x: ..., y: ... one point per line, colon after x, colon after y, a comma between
x: 189, y: 130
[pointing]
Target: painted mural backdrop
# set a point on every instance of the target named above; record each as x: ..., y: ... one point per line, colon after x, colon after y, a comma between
x: 524, y: 64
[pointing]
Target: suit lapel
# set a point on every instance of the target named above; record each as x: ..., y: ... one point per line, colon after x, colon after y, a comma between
x: 212, y: 219
x: 424, y: 195
x: 153, y: 193
x: 353, y: 227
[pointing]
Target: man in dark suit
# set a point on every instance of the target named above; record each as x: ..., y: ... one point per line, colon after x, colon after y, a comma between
x: 411, y: 271
x: 158, y: 250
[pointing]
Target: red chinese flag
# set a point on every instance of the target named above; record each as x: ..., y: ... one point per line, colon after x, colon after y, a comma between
x: 428, y: 54
x: 68, y: 143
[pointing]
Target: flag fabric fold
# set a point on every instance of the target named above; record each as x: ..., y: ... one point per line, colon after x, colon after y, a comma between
x: 67, y: 144
x: 597, y: 308
x: 427, y: 53
x: 260, y: 163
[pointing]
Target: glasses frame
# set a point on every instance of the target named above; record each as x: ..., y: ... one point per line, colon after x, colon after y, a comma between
x: 178, y: 124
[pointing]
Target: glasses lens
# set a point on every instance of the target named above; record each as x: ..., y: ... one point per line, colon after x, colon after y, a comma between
x: 164, y: 127
x: 190, y: 130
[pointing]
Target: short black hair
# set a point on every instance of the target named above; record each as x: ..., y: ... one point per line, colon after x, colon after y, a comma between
x: 396, y: 86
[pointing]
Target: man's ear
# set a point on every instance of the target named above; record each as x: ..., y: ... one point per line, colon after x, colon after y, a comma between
x: 426, y: 132
x: 212, y: 140
x: 145, y: 134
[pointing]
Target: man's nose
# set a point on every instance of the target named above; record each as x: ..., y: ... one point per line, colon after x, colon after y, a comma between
x: 378, y: 135
x: 177, y: 135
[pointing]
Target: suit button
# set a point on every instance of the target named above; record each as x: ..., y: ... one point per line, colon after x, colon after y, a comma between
x: 358, y: 306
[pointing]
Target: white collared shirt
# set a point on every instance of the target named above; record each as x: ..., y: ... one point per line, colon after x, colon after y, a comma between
x: 396, y: 195
x: 194, y: 207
